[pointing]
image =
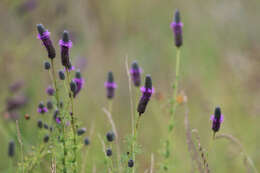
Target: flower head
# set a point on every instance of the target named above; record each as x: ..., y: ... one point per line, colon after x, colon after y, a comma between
x: 135, y: 72
x: 50, y: 91
x: 110, y: 85
x: 176, y: 26
x: 44, y: 35
x: 79, y: 81
x: 217, y: 119
x: 147, y: 91
x: 65, y: 44
x: 42, y: 109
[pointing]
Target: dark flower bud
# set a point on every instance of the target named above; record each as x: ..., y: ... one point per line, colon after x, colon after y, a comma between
x: 46, y: 138
x: 49, y: 105
x: 109, y: 152
x: 110, y: 136
x: 55, y: 114
x: 81, y: 131
x: 147, y: 91
x: 44, y: 35
x: 130, y: 163
x: 51, y: 128
x: 177, y: 28
x: 47, y: 65
x: 61, y: 75
x: 50, y: 91
x: 135, y: 72
x: 73, y: 86
x: 39, y: 123
x: 45, y: 126
x: 216, y: 119
x: 61, y: 104
x: 41, y: 108
x: 78, y: 74
x: 110, y: 85
x: 65, y: 44
x: 79, y: 85
x: 11, y: 149
x: 86, y: 141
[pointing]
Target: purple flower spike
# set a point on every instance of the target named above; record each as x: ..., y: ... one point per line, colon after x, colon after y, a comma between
x: 135, y: 72
x: 177, y: 29
x: 65, y: 44
x: 110, y: 85
x: 42, y: 109
x: 217, y: 119
x: 50, y: 91
x: 80, y: 83
x: 147, y: 91
x: 58, y: 120
x: 44, y: 35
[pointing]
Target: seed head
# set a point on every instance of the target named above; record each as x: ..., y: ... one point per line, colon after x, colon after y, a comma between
x: 130, y: 163
x: 109, y: 152
x: 47, y: 65
x: 44, y: 35
x: 49, y: 104
x: 176, y: 26
x: 86, y: 141
x: 110, y: 136
x: 50, y: 91
x: 46, y: 138
x: 61, y: 75
x: 147, y: 91
x: 135, y: 72
x: 39, y: 123
x: 11, y: 149
x: 81, y: 131
x: 73, y: 86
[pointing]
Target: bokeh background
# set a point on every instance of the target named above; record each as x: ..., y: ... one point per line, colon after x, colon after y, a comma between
x: 219, y: 66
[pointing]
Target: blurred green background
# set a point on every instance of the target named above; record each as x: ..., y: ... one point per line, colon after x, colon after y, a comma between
x: 219, y: 66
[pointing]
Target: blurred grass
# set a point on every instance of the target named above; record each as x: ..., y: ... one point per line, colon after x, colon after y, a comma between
x: 219, y: 66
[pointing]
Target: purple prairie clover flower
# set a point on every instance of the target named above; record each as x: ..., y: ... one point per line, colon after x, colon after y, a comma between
x: 50, y: 91
x: 44, y: 35
x: 58, y: 120
x: 216, y: 119
x: 110, y: 85
x: 65, y: 44
x: 147, y: 91
x: 42, y: 109
x: 135, y: 72
x: 176, y: 26
x: 79, y: 83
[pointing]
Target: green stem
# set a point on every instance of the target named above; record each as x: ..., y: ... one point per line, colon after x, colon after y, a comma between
x: 72, y: 120
x: 58, y: 106
x: 135, y: 140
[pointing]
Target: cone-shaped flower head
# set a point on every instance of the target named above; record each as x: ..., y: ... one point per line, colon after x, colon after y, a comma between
x: 110, y: 85
x: 50, y: 91
x: 79, y: 81
x: 135, y: 72
x: 65, y: 44
x: 147, y: 91
x: 44, y: 35
x: 176, y: 26
x: 217, y: 119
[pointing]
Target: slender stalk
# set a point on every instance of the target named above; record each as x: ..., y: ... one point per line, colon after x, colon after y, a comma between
x: 175, y: 87
x: 72, y: 120
x: 135, y: 139
x: 21, y: 144
x: 53, y: 77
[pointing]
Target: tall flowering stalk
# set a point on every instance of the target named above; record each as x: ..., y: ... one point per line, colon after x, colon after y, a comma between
x: 147, y: 91
x: 176, y: 27
x: 44, y: 35
x: 66, y: 44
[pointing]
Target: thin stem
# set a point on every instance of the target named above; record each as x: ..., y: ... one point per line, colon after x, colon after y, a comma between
x: 175, y: 87
x: 72, y: 119
x: 55, y: 83
x: 135, y: 139
x: 21, y: 144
